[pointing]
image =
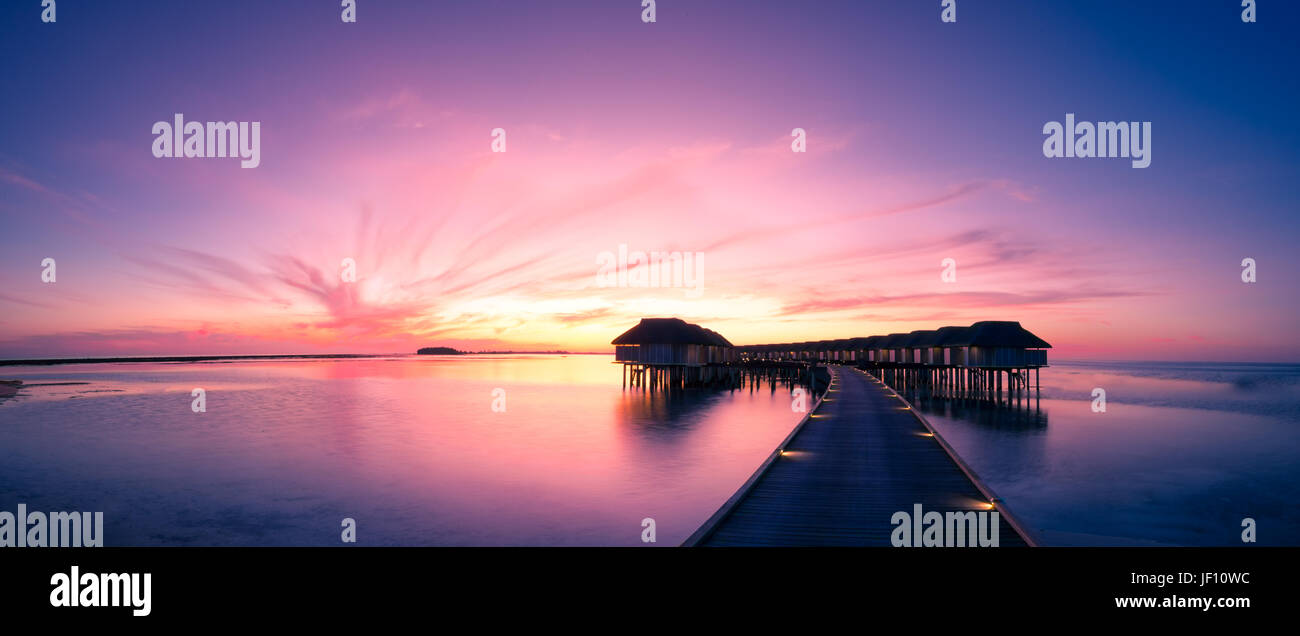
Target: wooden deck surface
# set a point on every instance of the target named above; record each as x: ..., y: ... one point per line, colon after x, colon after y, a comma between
x: 861, y: 457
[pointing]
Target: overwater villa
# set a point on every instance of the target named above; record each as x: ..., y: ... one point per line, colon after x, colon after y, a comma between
x: 672, y: 353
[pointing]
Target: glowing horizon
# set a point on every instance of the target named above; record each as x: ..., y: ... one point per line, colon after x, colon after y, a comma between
x: 672, y: 136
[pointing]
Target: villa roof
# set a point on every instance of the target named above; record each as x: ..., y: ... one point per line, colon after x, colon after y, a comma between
x: 920, y: 338
x: 999, y: 333
x: 669, y: 331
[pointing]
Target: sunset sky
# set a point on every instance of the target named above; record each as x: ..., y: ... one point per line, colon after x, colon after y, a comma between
x: 924, y: 143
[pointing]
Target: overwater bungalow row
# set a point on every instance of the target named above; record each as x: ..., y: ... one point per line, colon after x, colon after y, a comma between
x: 984, y: 357
x: 983, y: 344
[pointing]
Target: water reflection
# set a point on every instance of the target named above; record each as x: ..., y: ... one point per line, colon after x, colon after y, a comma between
x: 410, y: 444
x: 643, y: 408
x: 9, y: 389
x: 663, y: 410
x: 1006, y: 415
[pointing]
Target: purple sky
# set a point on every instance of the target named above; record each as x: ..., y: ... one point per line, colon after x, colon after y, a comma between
x: 924, y: 143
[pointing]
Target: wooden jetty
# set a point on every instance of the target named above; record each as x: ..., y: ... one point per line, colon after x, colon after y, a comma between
x: 863, y: 454
x: 860, y: 455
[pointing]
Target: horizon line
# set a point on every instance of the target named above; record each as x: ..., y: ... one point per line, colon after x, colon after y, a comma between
x: 346, y: 356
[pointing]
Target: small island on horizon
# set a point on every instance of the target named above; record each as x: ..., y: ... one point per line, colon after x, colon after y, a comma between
x: 448, y: 351
x: 439, y: 351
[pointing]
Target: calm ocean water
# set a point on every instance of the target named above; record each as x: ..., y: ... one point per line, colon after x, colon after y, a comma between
x: 407, y: 446
x: 411, y: 448
x: 1183, y: 453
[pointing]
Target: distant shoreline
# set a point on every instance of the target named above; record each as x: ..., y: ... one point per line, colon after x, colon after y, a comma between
x: 344, y: 356
x: 290, y: 356
x: 448, y: 351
